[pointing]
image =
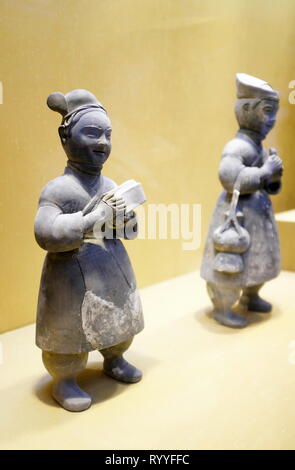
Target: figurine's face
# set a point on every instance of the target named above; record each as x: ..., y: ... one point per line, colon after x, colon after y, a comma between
x: 265, y: 113
x: 259, y: 116
x: 89, y: 140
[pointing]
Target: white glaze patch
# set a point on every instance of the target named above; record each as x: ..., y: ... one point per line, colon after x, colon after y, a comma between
x: 105, y: 324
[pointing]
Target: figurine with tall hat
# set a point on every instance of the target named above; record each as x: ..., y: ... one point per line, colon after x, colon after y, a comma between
x: 242, y: 249
x: 88, y: 298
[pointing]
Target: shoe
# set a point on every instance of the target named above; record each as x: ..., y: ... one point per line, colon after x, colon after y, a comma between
x: 255, y: 304
x: 70, y: 396
x: 119, y: 369
x: 230, y: 318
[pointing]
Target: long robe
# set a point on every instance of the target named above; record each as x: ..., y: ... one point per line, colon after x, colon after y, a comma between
x: 262, y: 259
x: 88, y: 297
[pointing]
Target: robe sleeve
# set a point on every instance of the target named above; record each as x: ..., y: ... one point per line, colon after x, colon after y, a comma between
x: 56, y: 231
x: 251, y: 178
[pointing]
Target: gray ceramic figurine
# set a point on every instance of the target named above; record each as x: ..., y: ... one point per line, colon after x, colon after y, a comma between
x: 88, y: 298
x: 242, y: 249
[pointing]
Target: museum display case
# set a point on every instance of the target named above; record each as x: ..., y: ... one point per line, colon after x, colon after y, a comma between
x: 165, y: 70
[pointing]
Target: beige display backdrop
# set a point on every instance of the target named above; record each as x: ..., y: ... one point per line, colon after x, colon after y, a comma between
x: 165, y: 71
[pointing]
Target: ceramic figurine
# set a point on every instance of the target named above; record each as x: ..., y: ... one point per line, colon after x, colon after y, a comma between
x: 242, y: 249
x: 88, y: 298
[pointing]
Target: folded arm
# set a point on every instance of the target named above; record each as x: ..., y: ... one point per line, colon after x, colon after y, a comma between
x: 251, y: 178
x: 57, y: 232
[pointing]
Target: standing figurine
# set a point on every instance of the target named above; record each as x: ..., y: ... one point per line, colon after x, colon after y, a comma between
x: 88, y: 298
x: 242, y: 249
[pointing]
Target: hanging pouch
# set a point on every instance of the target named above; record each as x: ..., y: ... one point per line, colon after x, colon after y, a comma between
x: 231, y: 240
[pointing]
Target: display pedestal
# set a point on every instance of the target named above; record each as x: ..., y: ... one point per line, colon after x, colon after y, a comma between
x: 205, y: 386
x: 286, y: 226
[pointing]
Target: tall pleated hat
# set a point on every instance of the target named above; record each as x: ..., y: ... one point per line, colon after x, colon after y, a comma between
x: 73, y: 102
x: 250, y: 87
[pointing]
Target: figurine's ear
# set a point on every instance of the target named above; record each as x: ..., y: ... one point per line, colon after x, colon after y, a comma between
x: 246, y: 107
x: 62, y: 134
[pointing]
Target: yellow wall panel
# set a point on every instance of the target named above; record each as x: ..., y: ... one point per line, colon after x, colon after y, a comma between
x: 165, y: 71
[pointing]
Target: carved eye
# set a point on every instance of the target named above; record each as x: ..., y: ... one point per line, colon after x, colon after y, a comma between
x: 268, y: 109
x: 90, y: 132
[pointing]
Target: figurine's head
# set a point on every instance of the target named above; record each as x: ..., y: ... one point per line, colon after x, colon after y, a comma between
x: 257, y: 104
x: 85, y: 131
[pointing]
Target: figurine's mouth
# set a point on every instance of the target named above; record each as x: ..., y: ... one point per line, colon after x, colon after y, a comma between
x: 99, y: 155
x: 270, y: 125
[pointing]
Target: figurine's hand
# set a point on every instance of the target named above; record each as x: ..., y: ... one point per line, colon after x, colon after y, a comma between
x: 273, y: 166
x: 100, y: 214
x: 117, y: 204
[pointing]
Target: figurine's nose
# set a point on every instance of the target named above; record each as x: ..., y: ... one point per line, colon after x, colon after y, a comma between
x: 271, y: 122
x: 102, y: 141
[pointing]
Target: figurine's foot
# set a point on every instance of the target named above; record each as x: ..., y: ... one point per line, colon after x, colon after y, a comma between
x: 231, y: 319
x: 119, y: 369
x: 255, y: 304
x: 70, y: 396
